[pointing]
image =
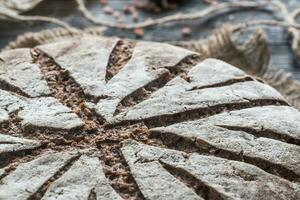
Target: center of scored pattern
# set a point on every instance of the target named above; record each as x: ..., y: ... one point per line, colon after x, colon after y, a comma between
x: 108, y: 140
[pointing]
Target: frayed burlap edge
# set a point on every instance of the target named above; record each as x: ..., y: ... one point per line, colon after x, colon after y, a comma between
x: 252, y: 57
x: 32, y: 39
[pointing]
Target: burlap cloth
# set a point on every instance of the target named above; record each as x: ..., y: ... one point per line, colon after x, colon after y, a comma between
x: 252, y: 56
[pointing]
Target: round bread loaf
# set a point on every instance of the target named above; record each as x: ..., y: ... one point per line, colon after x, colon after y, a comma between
x: 104, y: 118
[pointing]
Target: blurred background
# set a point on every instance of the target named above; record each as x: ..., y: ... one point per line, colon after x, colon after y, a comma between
x: 279, y: 38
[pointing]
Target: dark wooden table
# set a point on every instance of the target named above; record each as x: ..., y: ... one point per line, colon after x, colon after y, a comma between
x: 67, y: 11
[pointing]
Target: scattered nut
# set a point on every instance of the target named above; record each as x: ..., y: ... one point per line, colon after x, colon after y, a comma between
x: 127, y: 9
x: 186, y: 31
x: 117, y: 15
x: 108, y: 10
x: 139, y: 32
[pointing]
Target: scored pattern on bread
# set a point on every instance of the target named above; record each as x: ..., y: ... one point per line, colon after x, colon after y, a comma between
x: 18, y: 74
x: 105, y: 118
x: 225, y: 179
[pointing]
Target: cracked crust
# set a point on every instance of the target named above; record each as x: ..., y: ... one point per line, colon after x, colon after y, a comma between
x: 95, y: 118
